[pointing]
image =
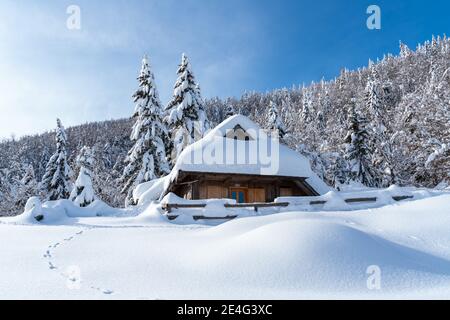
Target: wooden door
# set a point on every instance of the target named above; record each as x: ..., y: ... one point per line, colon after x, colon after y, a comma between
x: 239, y: 194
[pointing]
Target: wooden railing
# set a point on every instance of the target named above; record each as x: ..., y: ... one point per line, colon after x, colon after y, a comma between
x: 168, y: 207
x: 401, y: 198
x: 257, y: 205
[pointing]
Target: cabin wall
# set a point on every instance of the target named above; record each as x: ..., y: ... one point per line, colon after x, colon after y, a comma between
x: 257, y: 194
x: 256, y: 189
x: 217, y: 190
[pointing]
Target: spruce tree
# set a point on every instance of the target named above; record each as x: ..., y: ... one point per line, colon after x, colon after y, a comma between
x: 373, y: 100
x: 320, y: 122
x: 306, y: 106
x: 105, y: 178
x: 146, y: 160
x: 230, y: 111
x: 83, y: 190
x: 55, y: 183
x: 3, y: 185
x: 28, y: 186
x: 357, y: 151
x: 380, y: 138
x: 186, y: 117
x: 276, y: 125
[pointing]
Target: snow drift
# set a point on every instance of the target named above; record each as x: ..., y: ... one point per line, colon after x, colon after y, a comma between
x: 284, y: 256
x: 63, y: 212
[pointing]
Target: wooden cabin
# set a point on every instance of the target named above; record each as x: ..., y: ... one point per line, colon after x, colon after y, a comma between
x: 244, y: 182
x: 244, y: 188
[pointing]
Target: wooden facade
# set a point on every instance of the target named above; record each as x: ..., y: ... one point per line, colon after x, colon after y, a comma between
x: 245, y: 188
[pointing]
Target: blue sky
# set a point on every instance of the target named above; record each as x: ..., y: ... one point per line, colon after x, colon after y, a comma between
x: 49, y: 71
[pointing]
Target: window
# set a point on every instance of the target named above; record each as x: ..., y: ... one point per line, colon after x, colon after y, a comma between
x: 240, y: 195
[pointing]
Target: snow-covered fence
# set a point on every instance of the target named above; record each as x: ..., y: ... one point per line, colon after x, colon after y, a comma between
x: 168, y: 207
x: 255, y: 206
x: 344, y: 201
x: 226, y: 209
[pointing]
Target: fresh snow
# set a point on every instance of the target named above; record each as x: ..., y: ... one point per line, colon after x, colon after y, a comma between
x: 149, y: 191
x: 436, y: 153
x: 297, y: 254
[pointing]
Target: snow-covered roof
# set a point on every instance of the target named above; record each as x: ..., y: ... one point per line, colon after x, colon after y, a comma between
x: 252, y: 152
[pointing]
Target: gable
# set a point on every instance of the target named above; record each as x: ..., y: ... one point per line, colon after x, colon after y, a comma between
x: 238, y: 133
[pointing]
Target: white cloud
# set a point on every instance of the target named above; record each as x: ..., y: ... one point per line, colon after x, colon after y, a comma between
x: 48, y: 70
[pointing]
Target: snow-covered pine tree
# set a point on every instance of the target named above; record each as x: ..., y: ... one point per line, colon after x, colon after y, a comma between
x: 324, y: 107
x: 306, y: 105
x: 405, y: 52
x: 106, y: 156
x: 29, y: 178
x: 435, y: 123
x: 337, y: 170
x: 372, y: 99
x: 7, y: 192
x: 276, y: 125
x: 186, y: 117
x: 230, y: 111
x: 380, y: 141
x: 43, y: 159
x: 83, y: 190
x: 357, y: 151
x: 315, y: 159
x: 55, y: 183
x: 4, y: 186
x: 287, y: 112
x: 147, y: 158
x: 438, y: 165
x: 320, y: 123
x: 14, y: 174
x: 203, y: 125
x: 28, y: 186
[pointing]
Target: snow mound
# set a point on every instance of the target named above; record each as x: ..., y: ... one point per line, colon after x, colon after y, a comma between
x: 32, y: 203
x: 36, y: 212
x: 153, y: 213
x: 335, y: 201
x: 146, y: 193
x: 62, y: 212
x: 292, y: 255
x: 309, y: 254
x: 214, y: 208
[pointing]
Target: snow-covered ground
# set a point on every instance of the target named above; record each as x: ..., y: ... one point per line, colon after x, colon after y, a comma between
x: 281, y: 256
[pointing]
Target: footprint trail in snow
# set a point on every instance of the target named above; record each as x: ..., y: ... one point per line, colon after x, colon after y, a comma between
x: 73, y: 278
